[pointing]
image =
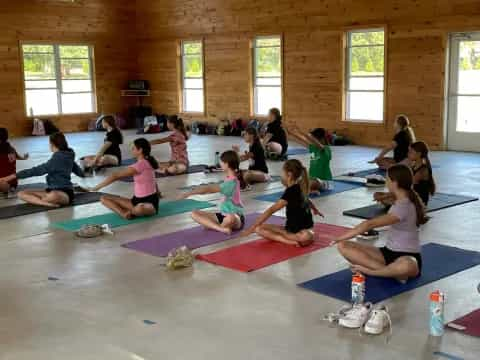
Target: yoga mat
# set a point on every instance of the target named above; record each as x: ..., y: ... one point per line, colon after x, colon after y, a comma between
x: 338, y: 187
x: 365, y: 173
x: 439, y: 261
x: 191, y: 170
x: 470, y: 321
x: 257, y: 254
x: 193, y: 238
x: 165, y: 209
x: 274, y: 178
x: 12, y: 211
x: 297, y: 151
x: 439, y: 201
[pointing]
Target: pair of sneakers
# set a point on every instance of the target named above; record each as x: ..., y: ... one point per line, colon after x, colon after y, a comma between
x: 373, y: 320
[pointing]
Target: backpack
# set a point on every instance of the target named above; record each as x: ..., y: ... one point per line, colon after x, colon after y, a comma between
x: 38, y: 128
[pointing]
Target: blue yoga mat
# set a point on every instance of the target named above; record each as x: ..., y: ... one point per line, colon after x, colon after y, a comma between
x: 338, y: 187
x: 365, y: 173
x: 439, y: 261
x: 297, y: 151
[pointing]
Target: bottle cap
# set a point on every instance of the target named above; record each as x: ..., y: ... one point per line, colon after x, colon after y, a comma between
x: 358, y: 278
x: 435, y: 296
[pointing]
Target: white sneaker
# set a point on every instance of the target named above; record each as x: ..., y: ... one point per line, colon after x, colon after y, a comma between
x: 379, y: 319
x: 356, y: 317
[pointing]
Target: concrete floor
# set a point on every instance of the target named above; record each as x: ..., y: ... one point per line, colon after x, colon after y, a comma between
x: 97, y: 308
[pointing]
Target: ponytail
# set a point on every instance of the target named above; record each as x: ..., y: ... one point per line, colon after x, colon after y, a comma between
x: 403, y: 176
x: 305, y: 182
x: 422, y: 148
x: 178, y: 125
x: 299, y: 173
x: 232, y: 160
x: 144, y: 145
x: 59, y: 141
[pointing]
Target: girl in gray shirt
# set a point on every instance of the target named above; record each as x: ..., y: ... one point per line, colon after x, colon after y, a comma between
x: 400, y: 258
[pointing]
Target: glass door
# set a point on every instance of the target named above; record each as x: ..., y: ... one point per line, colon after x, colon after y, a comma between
x: 463, y: 122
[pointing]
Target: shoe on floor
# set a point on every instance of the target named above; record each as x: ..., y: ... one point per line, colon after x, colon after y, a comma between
x: 356, y: 317
x: 379, y: 319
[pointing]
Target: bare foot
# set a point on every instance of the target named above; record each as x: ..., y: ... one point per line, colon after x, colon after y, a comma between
x: 227, y: 231
x: 127, y: 215
x: 361, y: 269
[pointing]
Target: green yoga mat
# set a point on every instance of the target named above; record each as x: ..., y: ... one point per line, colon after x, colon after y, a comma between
x: 165, y: 209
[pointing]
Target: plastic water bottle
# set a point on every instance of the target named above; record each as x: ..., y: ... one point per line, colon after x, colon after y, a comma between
x: 358, y: 288
x: 437, y: 304
x: 217, y: 159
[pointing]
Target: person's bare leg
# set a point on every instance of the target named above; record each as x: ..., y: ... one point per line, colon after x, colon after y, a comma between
x: 231, y: 222
x: 253, y: 176
x: 108, y: 160
x: 36, y: 197
x: 317, y: 185
x: 401, y: 269
x: 274, y: 147
x: 208, y: 220
x: 275, y: 233
x: 360, y: 254
x: 89, y: 161
x: 58, y: 198
x: 177, y: 169
x: 4, y: 187
x: 119, y: 205
x: 143, y: 210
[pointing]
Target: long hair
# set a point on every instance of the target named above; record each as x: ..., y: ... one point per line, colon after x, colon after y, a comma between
x: 144, y: 145
x: 178, y: 125
x: 299, y: 173
x: 422, y: 148
x: 254, y: 132
x: 319, y: 134
x: 5, y: 147
x: 110, y: 120
x: 59, y: 141
x: 276, y: 114
x: 232, y: 160
x: 403, y: 176
x: 404, y: 124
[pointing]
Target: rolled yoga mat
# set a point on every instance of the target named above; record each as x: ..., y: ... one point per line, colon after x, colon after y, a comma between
x: 193, y: 169
x: 439, y: 261
x: 165, y: 209
x: 470, y: 324
x: 338, y: 187
x: 12, y: 211
x: 193, y: 238
x: 439, y: 201
x: 258, y: 254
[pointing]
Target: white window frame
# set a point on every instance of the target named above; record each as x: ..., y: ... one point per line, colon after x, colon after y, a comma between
x: 183, y: 77
x: 347, y: 90
x: 58, y: 76
x: 254, y: 75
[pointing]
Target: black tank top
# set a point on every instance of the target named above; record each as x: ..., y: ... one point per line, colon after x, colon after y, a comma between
x: 423, y: 186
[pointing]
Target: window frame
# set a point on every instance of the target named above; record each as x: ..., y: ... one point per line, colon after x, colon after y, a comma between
x: 182, y: 77
x: 58, y: 76
x: 254, y: 86
x: 346, y: 73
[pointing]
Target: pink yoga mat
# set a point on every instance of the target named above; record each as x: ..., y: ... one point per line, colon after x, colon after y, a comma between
x: 193, y: 238
x: 471, y: 322
x: 261, y: 253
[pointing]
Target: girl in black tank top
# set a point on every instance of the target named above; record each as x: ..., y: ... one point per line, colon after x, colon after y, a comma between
x: 423, y: 181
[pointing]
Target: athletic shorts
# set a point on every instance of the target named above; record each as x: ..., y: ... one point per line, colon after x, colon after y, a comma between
x: 220, y: 218
x: 69, y: 192
x: 391, y: 256
x: 150, y: 199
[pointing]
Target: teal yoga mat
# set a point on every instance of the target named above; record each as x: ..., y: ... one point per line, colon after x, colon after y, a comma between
x: 165, y: 209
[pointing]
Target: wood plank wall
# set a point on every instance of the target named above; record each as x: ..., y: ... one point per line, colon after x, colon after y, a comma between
x: 313, y: 34
x: 107, y: 24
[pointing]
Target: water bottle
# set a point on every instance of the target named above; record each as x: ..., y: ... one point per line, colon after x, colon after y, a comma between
x: 217, y: 159
x: 358, y: 288
x: 437, y: 303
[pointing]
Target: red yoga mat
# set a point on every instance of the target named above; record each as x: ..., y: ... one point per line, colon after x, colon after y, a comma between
x: 257, y: 254
x: 471, y: 322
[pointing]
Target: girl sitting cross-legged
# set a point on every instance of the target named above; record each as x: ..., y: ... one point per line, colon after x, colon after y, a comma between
x: 400, y: 258
x: 146, y: 198
x: 231, y: 215
x: 298, y: 229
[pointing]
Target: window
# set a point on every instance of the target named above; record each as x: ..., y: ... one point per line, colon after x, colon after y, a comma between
x: 365, y: 75
x: 58, y: 79
x: 267, y: 74
x: 192, y: 77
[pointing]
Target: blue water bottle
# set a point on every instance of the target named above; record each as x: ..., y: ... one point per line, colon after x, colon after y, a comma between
x: 217, y: 159
x: 437, y: 304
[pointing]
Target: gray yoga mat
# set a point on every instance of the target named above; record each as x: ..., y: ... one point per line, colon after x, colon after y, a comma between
x: 439, y: 201
x: 12, y: 211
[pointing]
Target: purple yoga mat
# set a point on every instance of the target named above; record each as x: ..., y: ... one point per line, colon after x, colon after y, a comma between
x: 193, y: 238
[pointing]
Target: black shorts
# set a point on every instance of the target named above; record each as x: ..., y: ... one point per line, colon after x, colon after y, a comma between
x: 391, y: 256
x: 220, y: 218
x: 70, y: 193
x: 150, y: 199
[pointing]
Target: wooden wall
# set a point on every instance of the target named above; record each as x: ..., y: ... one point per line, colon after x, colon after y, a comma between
x: 313, y: 34
x: 107, y: 24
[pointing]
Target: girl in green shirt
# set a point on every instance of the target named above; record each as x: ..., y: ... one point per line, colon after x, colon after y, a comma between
x: 320, y: 157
